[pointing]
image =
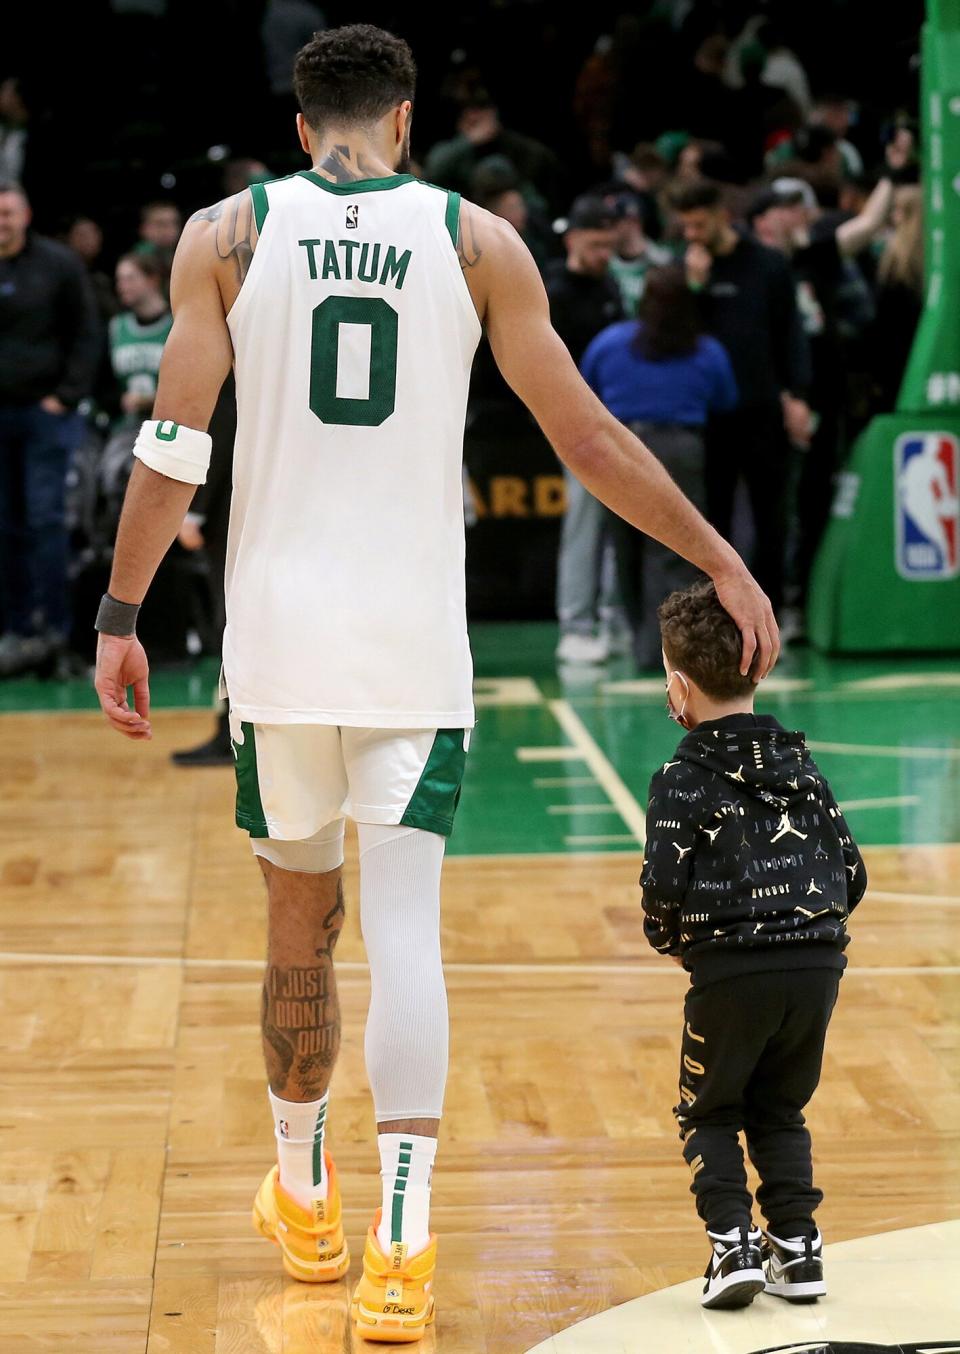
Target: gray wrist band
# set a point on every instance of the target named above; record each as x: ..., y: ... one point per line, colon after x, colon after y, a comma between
x: 116, y: 618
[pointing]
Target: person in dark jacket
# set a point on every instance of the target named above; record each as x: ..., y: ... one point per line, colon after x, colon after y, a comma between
x: 750, y: 874
x: 748, y: 302
x: 584, y: 299
x: 50, y: 344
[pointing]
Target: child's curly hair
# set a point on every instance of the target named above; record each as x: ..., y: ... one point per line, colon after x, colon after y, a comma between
x: 702, y: 640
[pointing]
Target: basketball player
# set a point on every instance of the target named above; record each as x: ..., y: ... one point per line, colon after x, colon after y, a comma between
x: 349, y: 299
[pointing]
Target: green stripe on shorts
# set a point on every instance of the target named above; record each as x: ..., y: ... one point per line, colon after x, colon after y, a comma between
x: 434, y: 801
x: 249, y: 805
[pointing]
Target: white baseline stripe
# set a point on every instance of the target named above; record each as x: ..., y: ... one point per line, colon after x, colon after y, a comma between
x: 644, y: 967
x: 549, y: 755
x: 879, y: 750
x: 930, y: 899
x: 628, y: 808
x: 598, y: 841
x: 561, y: 782
x: 581, y: 808
x: 891, y: 802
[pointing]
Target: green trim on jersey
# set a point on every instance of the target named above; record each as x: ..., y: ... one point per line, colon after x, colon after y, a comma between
x: 434, y: 801
x: 261, y: 204
x: 452, y: 217
x: 361, y: 185
x: 249, y: 804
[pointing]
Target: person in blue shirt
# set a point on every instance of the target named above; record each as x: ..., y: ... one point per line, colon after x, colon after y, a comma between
x: 663, y: 378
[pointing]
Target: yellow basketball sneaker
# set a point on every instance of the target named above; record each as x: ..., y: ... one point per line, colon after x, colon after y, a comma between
x: 313, y: 1244
x: 393, y: 1302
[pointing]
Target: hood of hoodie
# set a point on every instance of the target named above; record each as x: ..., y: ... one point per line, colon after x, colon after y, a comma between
x: 755, y: 754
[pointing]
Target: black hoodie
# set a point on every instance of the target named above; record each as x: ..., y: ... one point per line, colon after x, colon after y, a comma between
x: 749, y: 863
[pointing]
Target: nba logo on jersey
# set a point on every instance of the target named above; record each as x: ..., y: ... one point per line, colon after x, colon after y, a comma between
x: 927, y: 506
x: 353, y: 215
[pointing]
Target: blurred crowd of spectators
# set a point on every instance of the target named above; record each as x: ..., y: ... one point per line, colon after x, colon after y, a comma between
x: 741, y: 287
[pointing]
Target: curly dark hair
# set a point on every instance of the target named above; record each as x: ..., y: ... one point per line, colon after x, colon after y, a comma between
x: 695, y: 195
x: 669, y: 316
x: 352, y: 75
x: 702, y: 640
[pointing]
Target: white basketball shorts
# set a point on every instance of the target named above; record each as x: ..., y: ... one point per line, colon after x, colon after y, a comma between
x: 294, y: 779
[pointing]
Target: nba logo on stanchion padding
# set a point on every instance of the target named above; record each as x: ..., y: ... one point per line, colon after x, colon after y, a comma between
x: 926, y: 505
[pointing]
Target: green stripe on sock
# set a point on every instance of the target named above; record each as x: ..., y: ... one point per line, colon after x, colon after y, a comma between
x: 403, y: 1170
x: 318, y: 1147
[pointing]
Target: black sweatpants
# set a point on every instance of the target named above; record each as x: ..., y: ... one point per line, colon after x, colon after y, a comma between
x: 751, y: 1057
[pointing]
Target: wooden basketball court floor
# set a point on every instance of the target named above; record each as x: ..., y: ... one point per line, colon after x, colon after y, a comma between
x: 134, y: 1127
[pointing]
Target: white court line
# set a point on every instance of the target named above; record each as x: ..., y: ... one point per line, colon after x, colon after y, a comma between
x: 597, y: 841
x: 902, y: 681
x: 880, y: 750
x: 644, y: 967
x: 582, y: 808
x: 549, y: 755
x: 618, y: 794
x: 891, y: 802
x: 653, y: 686
x: 930, y: 899
x: 561, y: 782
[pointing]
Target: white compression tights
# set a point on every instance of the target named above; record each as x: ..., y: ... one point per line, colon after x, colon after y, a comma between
x: 407, y: 1037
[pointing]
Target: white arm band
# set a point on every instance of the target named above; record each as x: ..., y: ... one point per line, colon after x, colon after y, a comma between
x: 175, y: 451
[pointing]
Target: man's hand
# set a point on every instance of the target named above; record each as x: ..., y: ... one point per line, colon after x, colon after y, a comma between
x: 899, y: 150
x: 190, y: 536
x: 797, y: 420
x: 741, y: 596
x: 698, y: 262
x: 133, y: 403
x: 52, y: 405
x: 121, y: 662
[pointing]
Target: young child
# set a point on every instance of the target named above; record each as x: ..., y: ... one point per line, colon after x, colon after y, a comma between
x: 749, y: 877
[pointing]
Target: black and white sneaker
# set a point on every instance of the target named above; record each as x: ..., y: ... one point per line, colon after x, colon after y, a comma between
x: 794, y: 1267
x: 734, y: 1275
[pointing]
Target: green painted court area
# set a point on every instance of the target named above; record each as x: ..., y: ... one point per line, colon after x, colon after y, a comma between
x: 560, y: 760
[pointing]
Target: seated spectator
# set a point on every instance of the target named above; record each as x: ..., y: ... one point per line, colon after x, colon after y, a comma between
x: 634, y: 255
x: 138, y: 334
x: 160, y: 227
x: 836, y: 113
x: 481, y: 134
x: 241, y: 173
x: 663, y: 378
x: 83, y: 235
x: 496, y: 186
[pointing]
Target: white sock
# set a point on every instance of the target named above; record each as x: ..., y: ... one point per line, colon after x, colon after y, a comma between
x: 299, y: 1128
x: 406, y: 1169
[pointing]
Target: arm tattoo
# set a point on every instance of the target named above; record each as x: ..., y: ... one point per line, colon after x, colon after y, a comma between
x: 235, y: 226
x: 343, y: 165
x: 468, y: 247
x: 213, y: 213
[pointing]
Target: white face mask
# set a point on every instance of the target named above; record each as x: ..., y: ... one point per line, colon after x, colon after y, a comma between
x: 678, y: 715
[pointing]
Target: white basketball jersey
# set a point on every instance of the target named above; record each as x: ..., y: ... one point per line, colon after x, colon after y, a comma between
x: 353, y: 333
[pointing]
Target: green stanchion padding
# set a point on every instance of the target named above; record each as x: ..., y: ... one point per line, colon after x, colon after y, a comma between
x: 884, y: 577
